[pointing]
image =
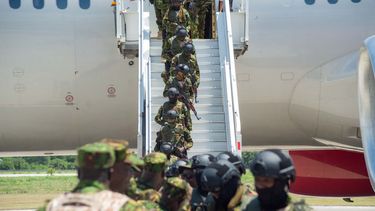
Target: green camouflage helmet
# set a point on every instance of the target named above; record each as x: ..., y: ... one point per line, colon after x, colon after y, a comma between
x: 136, y: 162
x: 175, y: 187
x: 155, y: 161
x: 96, y: 156
x: 120, y: 147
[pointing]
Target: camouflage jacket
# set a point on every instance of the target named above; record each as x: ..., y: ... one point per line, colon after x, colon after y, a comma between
x: 89, y: 186
x: 254, y: 205
x: 162, y: 4
x: 104, y: 200
x: 177, y: 134
x: 174, y: 18
x: 185, y: 87
x: 193, y: 65
x: 141, y: 191
x: 241, y: 198
x: 173, y: 47
x: 184, y: 117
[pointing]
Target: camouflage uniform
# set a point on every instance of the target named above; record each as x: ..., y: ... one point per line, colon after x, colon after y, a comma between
x: 301, y: 205
x: 193, y: 12
x: 161, y: 7
x: 175, y: 189
x: 90, y: 194
x: 185, y: 87
x: 203, y: 6
x: 177, y: 135
x: 241, y: 198
x: 154, y: 162
x: 191, y: 63
x: 184, y: 114
x: 174, y: 18
x: 173, y: 47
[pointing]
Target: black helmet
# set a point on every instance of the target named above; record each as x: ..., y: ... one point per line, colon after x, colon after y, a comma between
x: 202, y: 161
x: 171, y: 114
x: 273, y: 163
x: 234, y: 159
x: 183, y: 68
x: 181, y: 32
x: 173, y: 170
x: 166, y: 148
x: 188, y: 48
x: 173, y: 92
x: 217, y: 174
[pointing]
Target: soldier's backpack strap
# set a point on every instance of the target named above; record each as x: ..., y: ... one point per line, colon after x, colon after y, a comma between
x: 101, y: 201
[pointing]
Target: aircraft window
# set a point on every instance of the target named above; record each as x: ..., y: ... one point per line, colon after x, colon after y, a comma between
x: 62, y: 4
x: 38, y: 4
x: 84, y: 4
x: 310, y: 2
x: 332, y: 1
x: 15, y: 4
x: 356, y: 1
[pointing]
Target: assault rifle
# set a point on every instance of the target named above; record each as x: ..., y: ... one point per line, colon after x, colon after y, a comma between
x: 188, y: 104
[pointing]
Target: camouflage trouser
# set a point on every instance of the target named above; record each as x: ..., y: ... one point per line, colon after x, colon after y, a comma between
x: 159, y: 17
x: 201, y: 23
x: 195, y: 31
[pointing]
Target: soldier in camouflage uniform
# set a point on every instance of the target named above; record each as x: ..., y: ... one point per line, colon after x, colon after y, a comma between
x: 273, y: 171
x: 181, y: 82
x: 175, y: 193
x: 184, y: 117
x: 193, y: 12
x: 160, y: 7
x: 172, y: 47
x: 176, y: 134
x: 187, y: 58
x: 95, y: 162
x: 152, y: 178
x: 223, y: 181
x: 175, y: 15
x: 203, y: 8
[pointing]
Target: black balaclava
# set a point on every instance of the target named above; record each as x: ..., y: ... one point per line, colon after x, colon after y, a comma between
x: 198, y: 173
x: 275, y: 197
x: 227, y: 192
x: 172, y: 99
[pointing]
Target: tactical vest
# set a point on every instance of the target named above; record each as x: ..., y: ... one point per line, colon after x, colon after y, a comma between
x: 172, y: 134
x: 103, y: 201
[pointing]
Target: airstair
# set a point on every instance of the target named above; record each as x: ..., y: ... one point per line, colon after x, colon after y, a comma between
x: 219, y: 128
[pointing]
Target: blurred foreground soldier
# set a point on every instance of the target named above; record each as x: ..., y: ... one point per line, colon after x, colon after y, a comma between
x: 181, y: 82
x: 184, y: 117
x: 95, y: 162
x: 223, y: 181
x: 176, y: 134
x: 137, y: 166
x: 152, y: 178
x: 122, y: 168
x: 273, y: 171
x: 174, y: 169
x: 175, y: 193
x: 234, y: 159
x: 174, y: 16
x: 199, y: 195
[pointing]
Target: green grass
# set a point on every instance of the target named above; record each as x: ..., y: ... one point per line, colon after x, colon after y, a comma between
x: 32, y: 192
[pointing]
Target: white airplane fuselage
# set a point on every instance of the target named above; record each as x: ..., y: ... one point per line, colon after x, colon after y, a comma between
x: 64, y: 83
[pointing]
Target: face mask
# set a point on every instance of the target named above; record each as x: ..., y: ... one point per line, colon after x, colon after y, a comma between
x: 172, y: 99
x: 273, y: 198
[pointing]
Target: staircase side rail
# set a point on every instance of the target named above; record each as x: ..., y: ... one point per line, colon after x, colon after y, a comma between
x: 144, y: 82
x: 120, y: 21
x: 229, y: 81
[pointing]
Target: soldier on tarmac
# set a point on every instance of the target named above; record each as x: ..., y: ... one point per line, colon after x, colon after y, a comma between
x: 181, y: 82
x: 234, y: 159
x: 176, y: 134
x: 175, y: 193
x: 187, y: 58
x: 122, y: 168
x: 152, y: 178
x: 273, y: 171
x: 223, y: 181
x: 95, y: 163
x: 184, y: 117
x: 175, y: 15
